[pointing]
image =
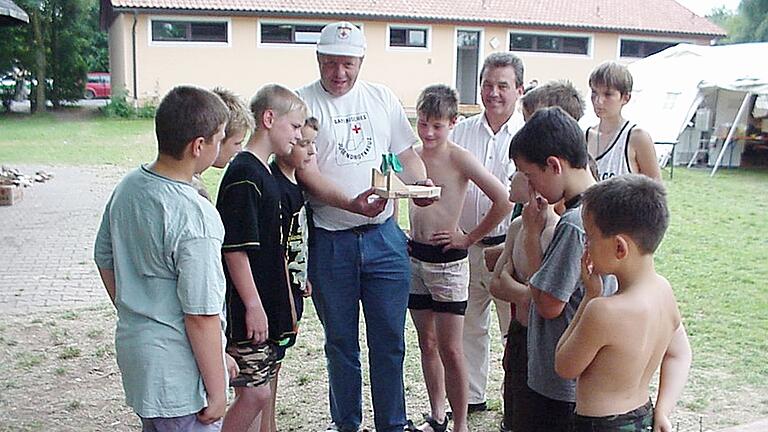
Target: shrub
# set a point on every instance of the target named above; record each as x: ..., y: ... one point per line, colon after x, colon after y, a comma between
x: 119, y: 106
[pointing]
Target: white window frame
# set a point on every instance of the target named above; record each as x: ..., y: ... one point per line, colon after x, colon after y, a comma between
x: 589, y: 36
x: 184, y: 18
x: 643, y: 39
x: 291, y: 45
x: 426, y: 28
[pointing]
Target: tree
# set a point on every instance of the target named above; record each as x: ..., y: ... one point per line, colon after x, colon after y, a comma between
x: 748, y: 24
x: 754, y: 14
x: 60, y: 44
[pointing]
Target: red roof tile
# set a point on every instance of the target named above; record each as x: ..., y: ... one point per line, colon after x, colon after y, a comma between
x: 649, y: 16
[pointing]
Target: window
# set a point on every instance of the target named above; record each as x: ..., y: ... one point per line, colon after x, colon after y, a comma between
x: 549, y: 43
x: 407, y: 37
x: 189, y: 31
x: 303, y: 34
x: 643, y: 48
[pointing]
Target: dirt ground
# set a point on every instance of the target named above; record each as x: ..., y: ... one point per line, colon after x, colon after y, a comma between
x: 58, y: 373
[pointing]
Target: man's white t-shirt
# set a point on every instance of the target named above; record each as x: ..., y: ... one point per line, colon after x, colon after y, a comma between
x: 356, y: 129
x: 492, y: 150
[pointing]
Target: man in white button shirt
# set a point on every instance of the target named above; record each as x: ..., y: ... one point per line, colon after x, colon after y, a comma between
x: 487, y: 136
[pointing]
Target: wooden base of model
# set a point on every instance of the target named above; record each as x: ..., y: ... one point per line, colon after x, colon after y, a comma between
x: 389, y: 186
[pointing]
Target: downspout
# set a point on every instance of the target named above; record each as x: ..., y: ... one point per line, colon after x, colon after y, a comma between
x: 133, y: 43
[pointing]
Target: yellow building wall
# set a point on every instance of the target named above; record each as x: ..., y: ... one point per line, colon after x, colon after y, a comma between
x: 244, y: 64
x: 120, y: 55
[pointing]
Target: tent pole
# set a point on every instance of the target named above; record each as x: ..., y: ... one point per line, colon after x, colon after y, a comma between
x: 731, y: 132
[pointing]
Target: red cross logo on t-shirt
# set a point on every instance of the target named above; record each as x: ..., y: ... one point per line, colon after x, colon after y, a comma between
x: 356, y: 129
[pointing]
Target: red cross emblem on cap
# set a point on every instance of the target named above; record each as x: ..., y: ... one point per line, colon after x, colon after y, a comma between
x: 343, y: 32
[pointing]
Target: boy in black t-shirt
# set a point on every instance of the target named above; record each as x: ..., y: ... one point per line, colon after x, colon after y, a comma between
x: 293, y: 222
x: 292, y: 200
x: 261, y: 317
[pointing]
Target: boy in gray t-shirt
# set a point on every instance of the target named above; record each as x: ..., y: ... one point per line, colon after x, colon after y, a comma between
x: 550, y: 150
x: 158, y: 251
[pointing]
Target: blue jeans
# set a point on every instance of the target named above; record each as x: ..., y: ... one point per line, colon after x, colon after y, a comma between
x: 367, y: 265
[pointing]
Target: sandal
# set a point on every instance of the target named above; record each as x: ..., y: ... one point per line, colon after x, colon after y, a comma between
x: 429, y: 422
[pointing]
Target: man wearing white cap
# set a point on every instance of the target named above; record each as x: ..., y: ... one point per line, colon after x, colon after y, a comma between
x: 356, y: 259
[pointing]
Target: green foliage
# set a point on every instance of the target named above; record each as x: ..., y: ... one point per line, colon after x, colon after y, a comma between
x: 755, y: 24
x: 67, y: 40
x: 96, y: 52
x: 119, y: 106
x: 70, y: 42
x: 69, y: 352
x: 748, y: 24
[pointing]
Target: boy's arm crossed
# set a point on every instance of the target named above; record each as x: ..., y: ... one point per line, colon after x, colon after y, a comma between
x: 674, y: 373
x: 549, y: 306
x: 585, y: 334
x: 503, y: 284
x: 255, y: 318
x: 204, y: 332
x: 581, y: 341
x: 557, y: 278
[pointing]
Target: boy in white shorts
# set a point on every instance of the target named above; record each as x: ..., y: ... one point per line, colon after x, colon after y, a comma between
x: 438, y: 250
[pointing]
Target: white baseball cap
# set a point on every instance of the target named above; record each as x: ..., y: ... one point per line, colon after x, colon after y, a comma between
x: 341, y: 39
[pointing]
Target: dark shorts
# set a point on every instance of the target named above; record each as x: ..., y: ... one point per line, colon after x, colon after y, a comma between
x: 187, y: 423
x: 257, y: 363
x: 637, y: 420
x: 518, y: 397
x: 546, y: 415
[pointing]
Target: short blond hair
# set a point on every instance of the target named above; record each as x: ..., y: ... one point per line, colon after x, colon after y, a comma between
x: 240, y: 119
x: 276, y: 98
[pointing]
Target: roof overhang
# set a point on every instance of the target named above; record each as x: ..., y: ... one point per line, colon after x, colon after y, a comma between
x: 12, y: 14
x: 375, y: 16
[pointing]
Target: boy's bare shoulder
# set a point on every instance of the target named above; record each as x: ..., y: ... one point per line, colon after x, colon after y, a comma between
x: 638, y: 135
x: 456, y: 149
x: 655, y: 292
x: 461, y: 157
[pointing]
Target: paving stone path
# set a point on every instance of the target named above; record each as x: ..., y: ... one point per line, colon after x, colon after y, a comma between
x: 46, y: 240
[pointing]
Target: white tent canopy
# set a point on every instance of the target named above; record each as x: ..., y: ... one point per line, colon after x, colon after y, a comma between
x: 670, y: 85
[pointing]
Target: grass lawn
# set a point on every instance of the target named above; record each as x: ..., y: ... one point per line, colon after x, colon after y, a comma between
x: 715, y: 254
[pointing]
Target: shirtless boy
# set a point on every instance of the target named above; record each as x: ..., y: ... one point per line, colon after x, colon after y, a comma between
x: 523, y: 249
x: 638, y: 328
x: 438, y: 250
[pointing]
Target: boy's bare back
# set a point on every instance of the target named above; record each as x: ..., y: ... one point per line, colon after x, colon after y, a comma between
x: 631, y: 332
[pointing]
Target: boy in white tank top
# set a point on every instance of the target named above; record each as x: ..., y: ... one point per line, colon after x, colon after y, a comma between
x: 618, y: 146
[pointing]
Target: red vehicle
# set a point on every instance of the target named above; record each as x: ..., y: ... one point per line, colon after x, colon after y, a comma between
x: 98, y: 85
